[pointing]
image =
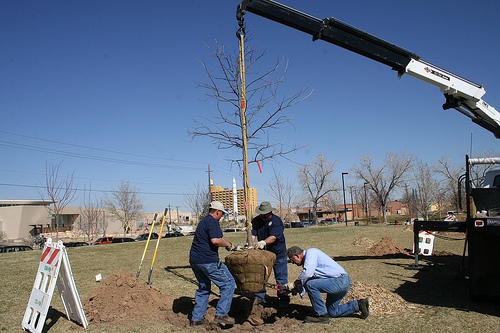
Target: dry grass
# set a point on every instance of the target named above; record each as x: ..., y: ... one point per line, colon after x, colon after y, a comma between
x: 434, y: 300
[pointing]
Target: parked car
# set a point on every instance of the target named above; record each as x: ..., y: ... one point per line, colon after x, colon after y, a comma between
x: 339, y: 219
x: 143, y: 237
x: 173, y: 234
x: 231, y: 229
x: 14, y: 248
x: 307, y: 221
x: 75, y: 244
x: 103, y: 240
x: 297, y: 224
x: 191, y: 233
x: 326, y: 221
x: 123, y: 240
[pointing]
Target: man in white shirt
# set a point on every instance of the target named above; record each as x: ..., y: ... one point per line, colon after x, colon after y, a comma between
x: 321, y: 274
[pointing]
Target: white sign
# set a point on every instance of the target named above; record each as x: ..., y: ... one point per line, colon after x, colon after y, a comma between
x: 54, y: 269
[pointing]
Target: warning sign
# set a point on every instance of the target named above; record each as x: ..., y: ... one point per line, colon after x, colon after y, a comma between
x: 54, y: 269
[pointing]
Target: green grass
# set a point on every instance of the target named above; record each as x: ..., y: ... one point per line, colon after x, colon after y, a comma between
x: 440, y: 292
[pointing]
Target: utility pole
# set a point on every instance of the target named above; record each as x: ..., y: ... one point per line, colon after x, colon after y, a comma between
x: 177, y: 215
x: 209, y: 185
x: 343, y: 191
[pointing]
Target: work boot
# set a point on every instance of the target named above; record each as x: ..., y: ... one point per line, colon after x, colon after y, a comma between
x: 202, y: 322
x: 323, y: 319
x: 224, y: 320
x: 364, y: 307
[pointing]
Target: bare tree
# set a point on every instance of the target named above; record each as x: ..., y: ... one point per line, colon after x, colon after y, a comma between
x: 60, y: 192
x: 450, y: 174
x: 332, y: 202
x: 383, y: 179
x: 125, y: 204
x: 315, y: 178
x: 198, y: 200
x: 248, y: 109
x: 427, y: 189
x: 265, y: 109
x: 282, y: 191
x: 91, y: 215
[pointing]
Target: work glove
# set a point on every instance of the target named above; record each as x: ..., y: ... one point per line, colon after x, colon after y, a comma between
x: 260, y: 245
x: 231, y: 247
x: 290, y: 286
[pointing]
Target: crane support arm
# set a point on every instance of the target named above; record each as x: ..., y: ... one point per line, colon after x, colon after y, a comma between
x: 460, y: 93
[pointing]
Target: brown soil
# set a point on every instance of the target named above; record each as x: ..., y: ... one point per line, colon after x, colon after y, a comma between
x: 125, y: 299
x: 386, y: 247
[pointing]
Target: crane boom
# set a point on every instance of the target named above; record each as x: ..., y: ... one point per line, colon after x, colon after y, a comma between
x: 461, y: 94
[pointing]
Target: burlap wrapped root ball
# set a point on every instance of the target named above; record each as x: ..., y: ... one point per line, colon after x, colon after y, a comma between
x: 250, y: 269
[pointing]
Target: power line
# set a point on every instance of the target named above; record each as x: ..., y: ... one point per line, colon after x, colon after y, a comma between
x: 94, y: 190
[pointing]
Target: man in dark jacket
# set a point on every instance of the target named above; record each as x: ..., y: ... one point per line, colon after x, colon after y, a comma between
x: 268, y: 229
x: 207, y: 267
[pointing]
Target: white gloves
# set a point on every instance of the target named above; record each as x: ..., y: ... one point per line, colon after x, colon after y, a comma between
x: 290, y: 286
x: 231, y: 248
x: 260, y: 245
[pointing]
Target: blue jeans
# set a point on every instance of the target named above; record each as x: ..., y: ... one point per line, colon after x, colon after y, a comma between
x: 217, y: 273
x: 281, y: 276
x: 336, y: 289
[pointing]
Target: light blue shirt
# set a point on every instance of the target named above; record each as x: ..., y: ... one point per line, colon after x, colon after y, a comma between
x: 317, y: 264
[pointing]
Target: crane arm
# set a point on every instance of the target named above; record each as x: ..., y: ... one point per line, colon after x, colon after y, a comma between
x: 461, y: 94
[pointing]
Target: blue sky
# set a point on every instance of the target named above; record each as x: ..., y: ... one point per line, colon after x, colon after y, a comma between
x: 88, y: 82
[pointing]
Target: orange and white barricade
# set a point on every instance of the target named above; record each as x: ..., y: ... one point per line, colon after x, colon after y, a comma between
x: 53, y: 269
x: 425, y: 242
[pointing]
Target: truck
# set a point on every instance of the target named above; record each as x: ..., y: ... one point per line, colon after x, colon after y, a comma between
x: 482, y: 208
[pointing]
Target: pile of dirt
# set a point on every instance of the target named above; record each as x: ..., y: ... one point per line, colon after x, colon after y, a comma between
x: 386, y: 247
x: 382, y: 301
x: 363, y: 242
x: 122, y: 297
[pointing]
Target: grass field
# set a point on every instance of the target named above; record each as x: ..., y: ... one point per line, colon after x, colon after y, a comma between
x: 440, y: 291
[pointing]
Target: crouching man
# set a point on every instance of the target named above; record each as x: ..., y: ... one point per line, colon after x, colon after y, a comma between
x: 321, y: 274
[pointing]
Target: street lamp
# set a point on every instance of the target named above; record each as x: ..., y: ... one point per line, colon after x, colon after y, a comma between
x: 343, y: 191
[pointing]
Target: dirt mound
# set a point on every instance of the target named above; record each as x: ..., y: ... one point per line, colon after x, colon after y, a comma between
x: 363, y: 242
x: 122, y: 297
x: 385, y: 247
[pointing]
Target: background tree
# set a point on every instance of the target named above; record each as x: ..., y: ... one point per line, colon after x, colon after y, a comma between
x: 450, y: 174
x: 59, y: 190
x: 316, y: 181
x: 383, y: 179
x: 427, y: 189
x: 282, y: 191
x: 91, y: 216
x: 198, y: 200
x: 125, y: 204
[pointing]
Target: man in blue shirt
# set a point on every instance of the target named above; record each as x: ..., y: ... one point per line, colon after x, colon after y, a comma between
x: 268, y: 229
x: 207, y: 267
x: 321, y: 274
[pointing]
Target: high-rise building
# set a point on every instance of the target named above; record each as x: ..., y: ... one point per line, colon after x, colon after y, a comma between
x: 226, y: 197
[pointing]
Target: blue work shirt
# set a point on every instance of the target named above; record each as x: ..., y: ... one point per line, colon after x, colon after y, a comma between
x: 273, y: 227
x: 202, y: 250
x: 317, y: 264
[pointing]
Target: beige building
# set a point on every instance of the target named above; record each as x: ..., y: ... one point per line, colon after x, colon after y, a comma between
x: 226, y: 197
x: 24, y: 219
x: 27, y: 218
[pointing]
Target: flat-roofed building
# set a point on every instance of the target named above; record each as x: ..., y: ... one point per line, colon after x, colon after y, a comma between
x: 226, y: 197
